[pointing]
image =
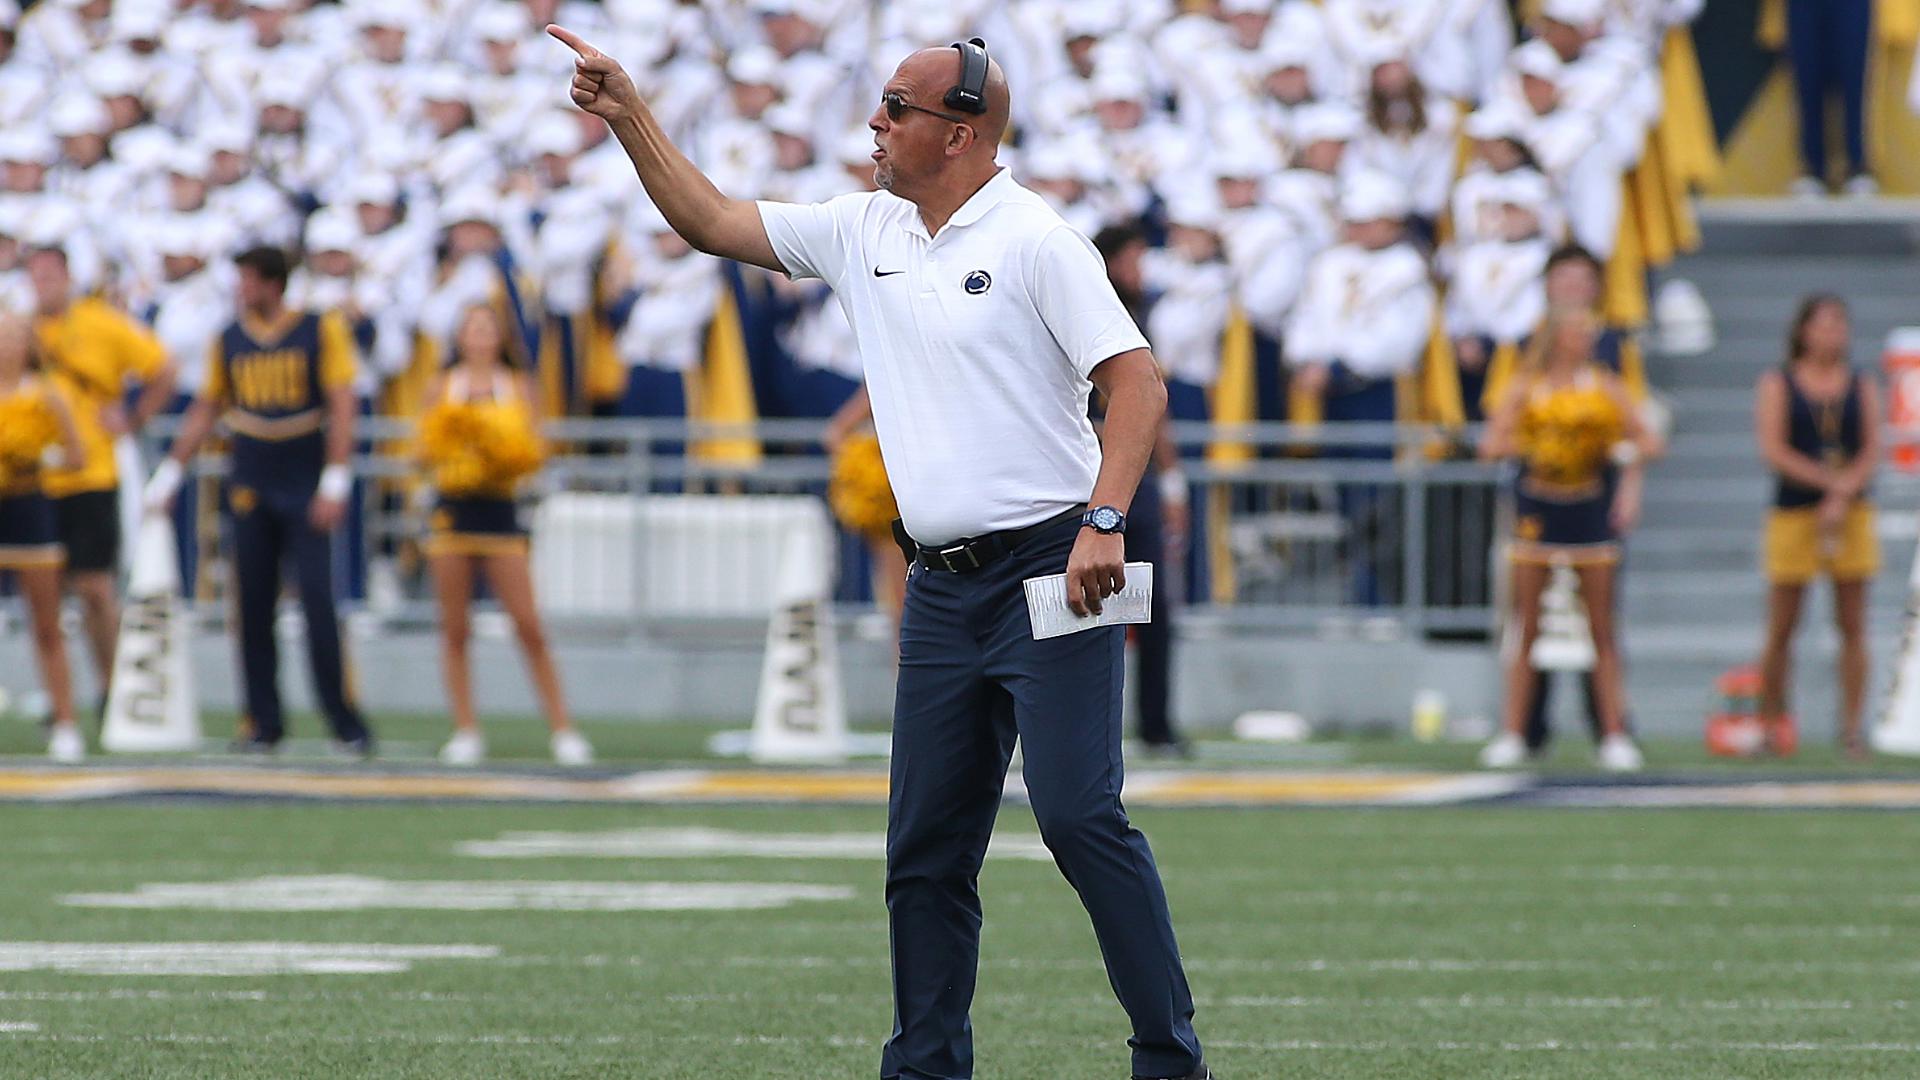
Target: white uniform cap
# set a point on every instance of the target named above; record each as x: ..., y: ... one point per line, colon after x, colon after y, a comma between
x: 1326, y: 121
x: 758, y: 64
x: 1117, y: 82
x: 1537, y: 58
x: 443, y: 82
x: 190, y: 160
x: 1053, y: 160
x: 1523, y: 188
x: 9, y: 14
x: 226, y: 136
x: 113, y: 74
x: 856, y: 147
x: 139, y: 21
x: 1372, y: 196
x: 52, y: 224
x: 377, y: 188
x: 1243, y: 158
x: 1246, y: 7
x: 471, y: 203
x: 332, y: 229
x: 790, y: 118
x: 1279, y: 51
x: 502, y: 22
x: 13, y: 215
x: 1091, y: 18
x: 271, y: 5
x: 143, y: 149
x: 1499, y: 119
x: 182, y: 234
x: 291, y: 93
x: 1580, y: 13
x: 558, y: 135
x: 78, y: 114
x: 1193, y: 205
x: 393, y: 14
x: 28, y: 146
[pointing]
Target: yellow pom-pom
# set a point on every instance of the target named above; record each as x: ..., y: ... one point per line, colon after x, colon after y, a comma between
x: 858, y: 490
x: 27, y: 428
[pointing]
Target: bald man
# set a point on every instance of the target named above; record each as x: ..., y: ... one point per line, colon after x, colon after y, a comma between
x: 983, y: 322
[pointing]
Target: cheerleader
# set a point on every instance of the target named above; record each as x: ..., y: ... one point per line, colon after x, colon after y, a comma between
x: 33, y: 418
x: 1565, y: 418
x: 1818, y: 424
x: 478, y: 440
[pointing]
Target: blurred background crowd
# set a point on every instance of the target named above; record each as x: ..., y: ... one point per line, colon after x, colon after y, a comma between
x: 1305, y: 173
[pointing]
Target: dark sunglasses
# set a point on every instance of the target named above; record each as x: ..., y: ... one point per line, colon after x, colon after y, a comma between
x: 897, y: 107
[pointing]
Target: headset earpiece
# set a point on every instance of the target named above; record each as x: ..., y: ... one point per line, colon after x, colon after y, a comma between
x: 970, y: 96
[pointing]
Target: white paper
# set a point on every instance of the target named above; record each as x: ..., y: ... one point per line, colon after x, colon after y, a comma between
x: 1051, y: 617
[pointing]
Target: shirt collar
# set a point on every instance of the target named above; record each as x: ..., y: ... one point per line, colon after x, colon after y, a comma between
x: 990, y: 194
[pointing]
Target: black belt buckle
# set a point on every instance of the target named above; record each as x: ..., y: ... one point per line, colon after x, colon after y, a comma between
x: 952, y: 565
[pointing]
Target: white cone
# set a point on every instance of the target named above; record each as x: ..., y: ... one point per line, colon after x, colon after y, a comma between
x: 800, y: 714
x: 151, y: 705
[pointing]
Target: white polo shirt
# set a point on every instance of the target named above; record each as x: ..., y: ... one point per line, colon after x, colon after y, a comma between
x: 976, y: 343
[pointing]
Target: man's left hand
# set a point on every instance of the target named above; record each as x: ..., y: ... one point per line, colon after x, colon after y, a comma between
x: 1096, y: 570
x: 326, y: 514
x: 113, y: 417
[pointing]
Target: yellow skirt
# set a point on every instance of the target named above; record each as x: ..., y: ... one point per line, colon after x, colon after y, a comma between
x: 1796, y: 552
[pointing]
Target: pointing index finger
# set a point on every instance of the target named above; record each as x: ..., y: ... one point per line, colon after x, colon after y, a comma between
x: 572, y: 41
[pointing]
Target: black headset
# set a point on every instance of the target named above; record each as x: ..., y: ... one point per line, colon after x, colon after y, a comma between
x: 971, y: 95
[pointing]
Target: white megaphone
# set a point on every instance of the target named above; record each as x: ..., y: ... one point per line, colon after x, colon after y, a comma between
x: 150, y: 704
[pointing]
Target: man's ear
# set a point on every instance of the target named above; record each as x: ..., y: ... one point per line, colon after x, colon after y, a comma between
x: 962, y: 138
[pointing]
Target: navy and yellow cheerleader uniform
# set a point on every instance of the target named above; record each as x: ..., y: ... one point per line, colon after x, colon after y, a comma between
x: 29, y: 535
x: 1796, y: 551
x: 478, y: 449
x: 1562, y: 501
x: 274, y: 380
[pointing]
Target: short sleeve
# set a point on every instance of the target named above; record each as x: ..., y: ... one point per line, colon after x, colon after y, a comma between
x: 337, y: 365
x: 1077, y: 303
x: 141, y: 354
x: 812, y: 240
x: 214, y: 387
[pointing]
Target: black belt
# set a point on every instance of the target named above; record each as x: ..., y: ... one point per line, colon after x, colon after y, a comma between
x: 974, y: 553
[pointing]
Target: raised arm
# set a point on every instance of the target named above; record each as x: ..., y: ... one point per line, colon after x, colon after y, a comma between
x: 698, y: 211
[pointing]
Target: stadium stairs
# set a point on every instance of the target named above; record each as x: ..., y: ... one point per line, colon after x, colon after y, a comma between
x: 1694, y: 603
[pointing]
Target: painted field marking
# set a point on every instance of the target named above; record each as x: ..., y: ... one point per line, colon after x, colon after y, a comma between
x: 704, y: 843
x: 227, y: 957
x: 351, y: 892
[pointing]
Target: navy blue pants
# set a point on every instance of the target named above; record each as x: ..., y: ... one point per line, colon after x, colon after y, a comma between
x: 270, y: 528
x: 1827, y: 44
x: 971, y: 679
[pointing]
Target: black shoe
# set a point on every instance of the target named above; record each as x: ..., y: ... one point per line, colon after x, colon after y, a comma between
x: 360, y: 749
x: 254, y: 746
x: 1202, y: 1073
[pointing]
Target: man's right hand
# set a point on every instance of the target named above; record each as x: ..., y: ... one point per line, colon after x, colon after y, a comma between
x: 600, y: 84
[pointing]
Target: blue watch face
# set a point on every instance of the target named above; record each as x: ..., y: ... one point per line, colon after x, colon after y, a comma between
x: 1106, y: 518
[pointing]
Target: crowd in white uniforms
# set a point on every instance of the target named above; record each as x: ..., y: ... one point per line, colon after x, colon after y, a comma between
x: 417, y: 151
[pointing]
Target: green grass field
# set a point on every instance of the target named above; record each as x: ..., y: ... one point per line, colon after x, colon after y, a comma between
x: 1478, y: 942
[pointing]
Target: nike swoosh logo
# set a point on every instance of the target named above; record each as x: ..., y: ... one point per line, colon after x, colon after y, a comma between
x: 877, y: 272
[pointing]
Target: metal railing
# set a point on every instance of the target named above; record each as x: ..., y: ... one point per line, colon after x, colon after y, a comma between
x: 1285, y: 532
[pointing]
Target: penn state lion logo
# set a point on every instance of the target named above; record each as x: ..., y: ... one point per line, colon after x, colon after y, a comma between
x: 977, y: 283
x: 242, y: 500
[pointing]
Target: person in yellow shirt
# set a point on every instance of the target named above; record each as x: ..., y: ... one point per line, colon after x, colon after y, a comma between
x: 33, y: 420
x: 92, y: 353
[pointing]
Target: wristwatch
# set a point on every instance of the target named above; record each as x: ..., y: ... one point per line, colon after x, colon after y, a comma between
x: 1104, y: 519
